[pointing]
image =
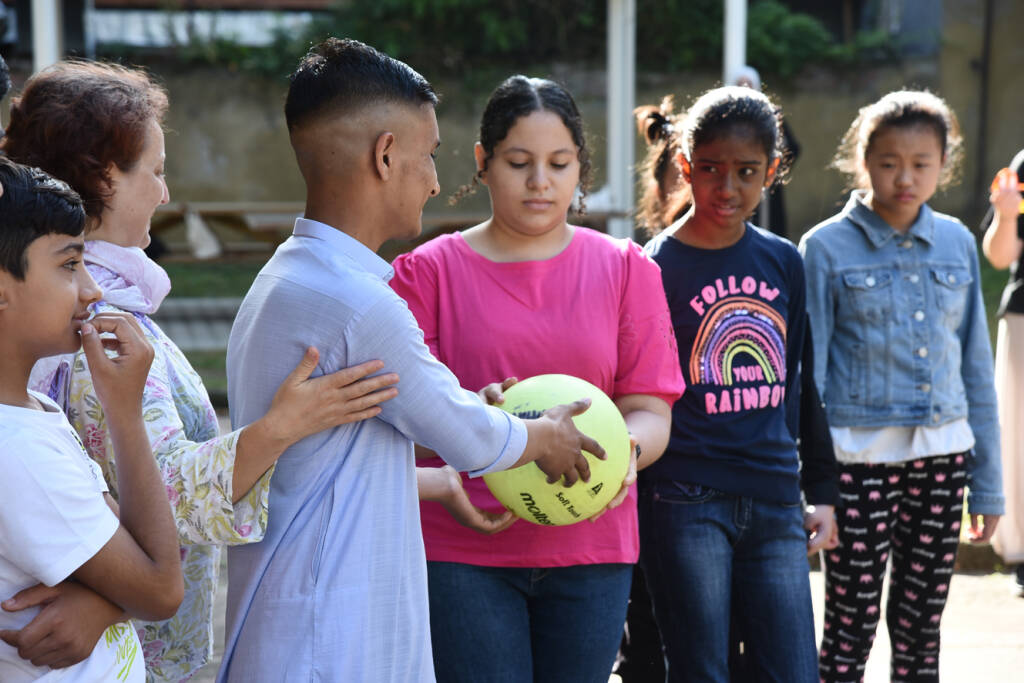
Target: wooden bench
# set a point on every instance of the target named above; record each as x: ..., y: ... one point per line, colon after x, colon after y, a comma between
x: 261, y: 226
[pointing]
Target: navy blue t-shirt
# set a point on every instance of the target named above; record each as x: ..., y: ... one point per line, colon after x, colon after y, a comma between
x: 739, y: 317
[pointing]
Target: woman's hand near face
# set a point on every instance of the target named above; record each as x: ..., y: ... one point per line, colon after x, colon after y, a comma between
x: 1005, y: 196
x: 1001, y: 244
x: 305, y: 405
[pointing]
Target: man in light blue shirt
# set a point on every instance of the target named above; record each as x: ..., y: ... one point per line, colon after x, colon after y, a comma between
x: 337, y: 589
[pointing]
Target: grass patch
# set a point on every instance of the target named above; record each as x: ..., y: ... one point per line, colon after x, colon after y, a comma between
x: 992, y: 283
x: 212, y: 369
x: 205, y: 278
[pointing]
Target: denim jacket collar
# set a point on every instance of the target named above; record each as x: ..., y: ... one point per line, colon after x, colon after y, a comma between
x: 878, y: 231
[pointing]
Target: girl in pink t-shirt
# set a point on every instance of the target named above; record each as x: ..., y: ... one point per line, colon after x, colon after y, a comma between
x: 522, y: 294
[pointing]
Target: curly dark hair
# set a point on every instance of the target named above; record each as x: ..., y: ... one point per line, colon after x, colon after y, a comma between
x: 659, y: 125
x: 76, y: 118
x: 519, y: 96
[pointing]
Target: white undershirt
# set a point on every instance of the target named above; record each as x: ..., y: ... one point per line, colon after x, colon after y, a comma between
x: 871, y: 445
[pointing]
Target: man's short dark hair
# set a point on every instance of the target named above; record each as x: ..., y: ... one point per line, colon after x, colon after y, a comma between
x: 33, y: 205
x: 341, y: 74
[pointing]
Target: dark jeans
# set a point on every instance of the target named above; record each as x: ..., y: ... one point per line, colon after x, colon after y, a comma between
x: 707, y: 554
x: 509, y: 624
x: 640, y: 658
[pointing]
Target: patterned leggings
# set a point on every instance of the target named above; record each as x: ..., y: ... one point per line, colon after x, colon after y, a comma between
x: 915, y: 508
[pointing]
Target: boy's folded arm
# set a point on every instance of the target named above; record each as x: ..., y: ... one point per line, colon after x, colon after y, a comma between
x: 71, y: 620
x: 145, y: 587
x: 139, y: 568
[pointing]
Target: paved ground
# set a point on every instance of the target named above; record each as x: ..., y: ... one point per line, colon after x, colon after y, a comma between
x: 982, y: 632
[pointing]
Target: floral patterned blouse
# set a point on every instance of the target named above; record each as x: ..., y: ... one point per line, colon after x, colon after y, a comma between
x: 197, y: 466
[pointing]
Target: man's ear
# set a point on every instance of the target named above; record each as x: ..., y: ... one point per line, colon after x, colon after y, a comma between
x: 773, y: 168
x: 480, y: 154
x: 684, y: 167
x: 383, y: 151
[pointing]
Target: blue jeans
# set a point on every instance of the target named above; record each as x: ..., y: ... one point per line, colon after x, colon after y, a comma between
x: 707, y: 554
x: 498, y: 624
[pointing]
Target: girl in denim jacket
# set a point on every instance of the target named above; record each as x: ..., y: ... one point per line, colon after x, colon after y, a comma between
x: 903, y: 360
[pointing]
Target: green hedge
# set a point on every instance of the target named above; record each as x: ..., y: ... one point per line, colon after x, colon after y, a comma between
x: 460, y: 37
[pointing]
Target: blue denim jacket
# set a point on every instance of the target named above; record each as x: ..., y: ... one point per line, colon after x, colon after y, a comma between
x: 900, y: 334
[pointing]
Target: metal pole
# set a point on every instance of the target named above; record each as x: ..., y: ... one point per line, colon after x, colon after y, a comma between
x: 46, y: 33
x: 621, y: 97
x: 734, y: 43
x: 89, y: 32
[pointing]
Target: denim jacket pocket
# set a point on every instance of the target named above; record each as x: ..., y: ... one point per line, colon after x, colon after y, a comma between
x: 951, y: 291
x: 870, y: 294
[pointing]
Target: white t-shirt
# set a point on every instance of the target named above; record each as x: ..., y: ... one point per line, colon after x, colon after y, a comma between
x: 53, y: 518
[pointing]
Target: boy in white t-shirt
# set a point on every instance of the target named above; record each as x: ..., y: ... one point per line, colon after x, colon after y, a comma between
x: 57, y: 523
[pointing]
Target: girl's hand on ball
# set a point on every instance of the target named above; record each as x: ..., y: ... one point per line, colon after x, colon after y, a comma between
x: 627, y: 481
x: 444, y: 485
x: 493, y: 394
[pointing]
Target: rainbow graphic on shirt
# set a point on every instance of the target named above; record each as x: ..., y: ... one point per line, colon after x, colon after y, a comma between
x: 738, y: 357
x: 735, y: 327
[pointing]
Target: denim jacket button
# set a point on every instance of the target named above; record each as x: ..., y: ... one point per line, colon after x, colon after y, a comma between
x: 907, y: 244
x: 919, y: 316
x: 925, y: 387
x: 914, y: 278
x: 923, y: 352
x: 936, y: 417
x: 869, y: 281
x: 952, y: 279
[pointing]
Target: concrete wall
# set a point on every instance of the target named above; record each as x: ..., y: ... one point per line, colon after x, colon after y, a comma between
x: 228, y: 140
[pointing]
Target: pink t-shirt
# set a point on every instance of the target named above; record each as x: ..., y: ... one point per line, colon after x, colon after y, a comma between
x: 597, y: 310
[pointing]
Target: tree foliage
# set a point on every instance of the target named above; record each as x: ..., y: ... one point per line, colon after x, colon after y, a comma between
x: 460, y: 37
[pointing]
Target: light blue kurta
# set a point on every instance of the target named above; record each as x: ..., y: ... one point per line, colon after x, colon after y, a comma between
x: 337, y: 589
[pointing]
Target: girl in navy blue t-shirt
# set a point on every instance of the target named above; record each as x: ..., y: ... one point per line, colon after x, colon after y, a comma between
x: 723, y: 530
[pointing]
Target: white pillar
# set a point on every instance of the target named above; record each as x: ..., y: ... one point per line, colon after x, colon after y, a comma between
x: 621, y: 98
x: 46, y: 33
x: 89, y: 29
x: 734, y: 42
